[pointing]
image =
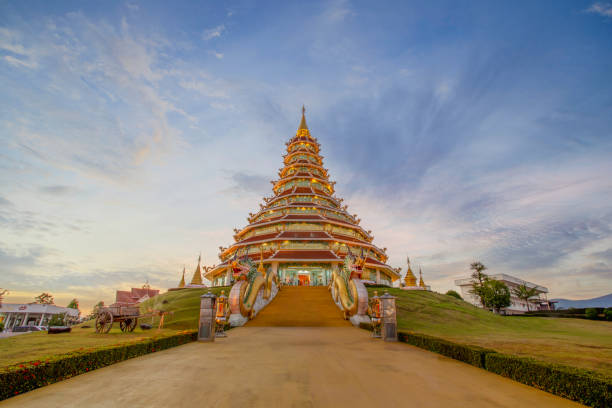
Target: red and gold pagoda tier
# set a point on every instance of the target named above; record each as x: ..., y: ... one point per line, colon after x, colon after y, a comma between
x: 303, y: 231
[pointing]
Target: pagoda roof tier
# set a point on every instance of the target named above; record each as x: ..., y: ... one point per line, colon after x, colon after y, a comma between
x: 307, y: 164
x: 301, y: 236
x: 307, y: 176
x: 305, y: 255
x: 288, y: 157
x: 304, y: 190
x: 320, y: 219
x: 310, y: 142
x: 307, y: 193
x: 300, y: 204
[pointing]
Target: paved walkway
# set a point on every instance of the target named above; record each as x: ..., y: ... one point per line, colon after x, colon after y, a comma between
x: 289, y: 367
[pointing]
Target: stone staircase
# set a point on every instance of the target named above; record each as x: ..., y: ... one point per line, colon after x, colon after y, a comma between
x: 305, y: 306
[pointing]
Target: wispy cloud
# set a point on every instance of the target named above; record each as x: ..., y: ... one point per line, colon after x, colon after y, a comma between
x: 215, y: 32
x: 603, y: 9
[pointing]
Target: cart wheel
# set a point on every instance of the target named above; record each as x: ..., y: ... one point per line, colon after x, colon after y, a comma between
x: 133, y: 324
x: 104, y: 322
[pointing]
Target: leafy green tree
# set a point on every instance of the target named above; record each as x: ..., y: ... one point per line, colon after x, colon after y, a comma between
x: 44, y: 298
x: 1, y: 327
x: 608, y: 313
x: 479, y: 278
x: 524, y: 293
x: 496, y: 295
x: 74, y: 304
x: 58, y: 320
x: 591, y: 313
x: 454, y: 294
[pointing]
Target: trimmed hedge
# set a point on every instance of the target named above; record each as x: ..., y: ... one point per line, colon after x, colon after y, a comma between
x: 19, y: 378
x: 473, y: 355
x: 583, y: 386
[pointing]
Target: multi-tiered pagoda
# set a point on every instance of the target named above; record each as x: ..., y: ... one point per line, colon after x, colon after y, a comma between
x: 303, y: 231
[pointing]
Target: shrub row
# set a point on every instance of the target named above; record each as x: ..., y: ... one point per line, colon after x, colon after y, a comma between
x: 473, y: 355
x: 580, y: 385
x: 19, y: 378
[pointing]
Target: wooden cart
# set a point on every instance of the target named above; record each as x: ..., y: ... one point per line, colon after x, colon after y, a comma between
x: 127, y: 316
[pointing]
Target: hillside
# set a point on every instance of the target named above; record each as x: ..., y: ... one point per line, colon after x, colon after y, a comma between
x: 577, y: 342
x: 183, y: 305
x: 602, y: 301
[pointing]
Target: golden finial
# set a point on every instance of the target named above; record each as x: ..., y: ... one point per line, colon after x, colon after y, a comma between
x: 421, y: 283
x: 303, y: 122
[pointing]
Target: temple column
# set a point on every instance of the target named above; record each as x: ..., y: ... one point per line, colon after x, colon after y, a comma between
x: 378, y: 276
x: 228, y: 276
x: 275, y: 268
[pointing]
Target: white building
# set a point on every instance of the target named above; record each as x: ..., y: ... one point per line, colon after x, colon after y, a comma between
x: 33, y: 314
x: 518, y: 306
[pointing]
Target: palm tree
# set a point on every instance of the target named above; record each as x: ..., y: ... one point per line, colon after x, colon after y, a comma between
x: 524, y: 293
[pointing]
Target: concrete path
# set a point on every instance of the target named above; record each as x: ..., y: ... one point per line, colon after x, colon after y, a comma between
x: 289, y: 367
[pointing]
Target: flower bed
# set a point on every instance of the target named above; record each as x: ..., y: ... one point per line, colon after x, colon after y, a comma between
x: 19, y: 378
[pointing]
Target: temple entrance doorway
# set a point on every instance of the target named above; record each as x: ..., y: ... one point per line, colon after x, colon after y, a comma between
x: 304, y: 275
x: 303, y: 278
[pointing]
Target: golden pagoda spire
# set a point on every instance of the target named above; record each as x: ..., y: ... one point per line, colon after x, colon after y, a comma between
x: 421, y: 283
x: 409, y: 280
x: 197, y: 274
x: 182, y: 282
x: 303, y: 121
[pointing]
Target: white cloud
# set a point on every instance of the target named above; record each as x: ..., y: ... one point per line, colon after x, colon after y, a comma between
x: 132, y: 6
x: 217, y: 55
x: 213, y: 32
x: 603, y: 9
x: 17, y: 62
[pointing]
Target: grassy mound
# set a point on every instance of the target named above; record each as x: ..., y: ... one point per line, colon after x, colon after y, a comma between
x: 183, y: 307
x: 575, y: 342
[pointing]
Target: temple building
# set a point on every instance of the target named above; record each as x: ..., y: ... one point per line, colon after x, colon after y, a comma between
x: 134, y: 296
x: 303, y: 231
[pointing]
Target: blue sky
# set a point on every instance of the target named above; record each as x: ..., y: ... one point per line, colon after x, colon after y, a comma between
x: 134, y: 135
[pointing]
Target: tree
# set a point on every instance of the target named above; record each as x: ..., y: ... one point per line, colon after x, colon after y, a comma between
x: 454, y: 294
x: 479, y: 278
x: 591, y: 313
x: 74, y: 304
x: 496, y: 295
x: 58, y: 320
x: 2, y: 293
x: 44, y: 298
x: 524, y: 293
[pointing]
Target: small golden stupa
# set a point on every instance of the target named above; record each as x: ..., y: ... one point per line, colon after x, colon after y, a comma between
x: 421, y: 283
x: 182, y: 282
x: 409, y: 279
x: 197, y: 274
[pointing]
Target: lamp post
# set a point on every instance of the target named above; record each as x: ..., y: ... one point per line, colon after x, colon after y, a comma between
x: 389, y: 318
x: 206, y: 330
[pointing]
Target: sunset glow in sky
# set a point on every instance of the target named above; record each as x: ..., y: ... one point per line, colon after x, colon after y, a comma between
x: 135, y: 135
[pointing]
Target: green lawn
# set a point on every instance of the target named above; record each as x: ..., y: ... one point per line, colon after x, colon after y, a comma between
x: 183, y: 305
x: 575, y: 342
x: 39, y: 345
